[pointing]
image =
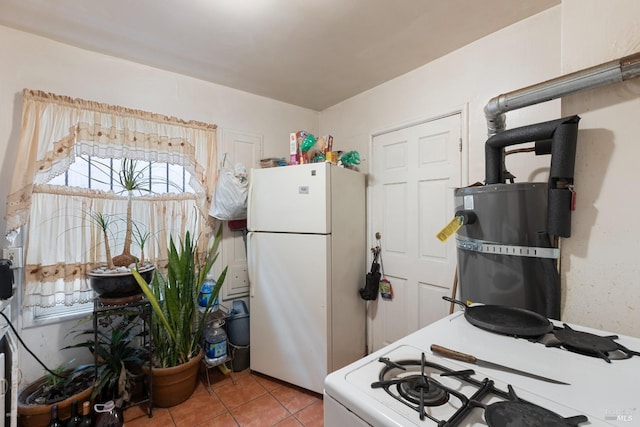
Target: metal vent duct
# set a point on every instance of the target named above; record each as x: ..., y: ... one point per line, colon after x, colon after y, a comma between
x: 615, y: 71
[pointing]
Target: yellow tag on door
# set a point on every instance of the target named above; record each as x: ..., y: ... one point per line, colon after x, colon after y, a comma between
x: 450, y: 229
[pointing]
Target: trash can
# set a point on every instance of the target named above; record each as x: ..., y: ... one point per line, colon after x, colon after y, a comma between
x: 238, y: 335
x: 240, y: 357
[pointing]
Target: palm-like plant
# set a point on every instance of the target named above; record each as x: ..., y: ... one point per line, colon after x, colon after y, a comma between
x: 178, y: 327
x: 131, y: 180
x: 118, y: 354
x: 103, y: 221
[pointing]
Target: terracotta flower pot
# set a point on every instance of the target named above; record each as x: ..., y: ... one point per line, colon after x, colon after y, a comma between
x: 38, y: 415
x: 172, y: 386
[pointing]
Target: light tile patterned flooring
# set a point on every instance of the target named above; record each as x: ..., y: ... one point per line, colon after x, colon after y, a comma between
x: 255, y: 400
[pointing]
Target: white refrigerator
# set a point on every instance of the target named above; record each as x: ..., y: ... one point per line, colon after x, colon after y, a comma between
x: 307, y: 260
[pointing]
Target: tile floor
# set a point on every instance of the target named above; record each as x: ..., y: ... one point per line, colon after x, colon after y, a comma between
x: 255, y: 400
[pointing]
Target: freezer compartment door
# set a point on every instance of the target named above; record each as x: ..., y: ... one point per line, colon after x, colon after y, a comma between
x: 288, y: 276
x: 291, y: 199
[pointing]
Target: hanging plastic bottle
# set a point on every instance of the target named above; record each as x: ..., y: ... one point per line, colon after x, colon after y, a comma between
x: 108, y: 415
x: 205, y: 295
x: 215, y: 343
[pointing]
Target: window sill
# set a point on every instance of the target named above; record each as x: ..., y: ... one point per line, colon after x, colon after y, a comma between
x: 33, y: 317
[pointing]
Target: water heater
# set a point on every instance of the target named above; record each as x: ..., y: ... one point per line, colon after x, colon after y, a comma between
x: 506, y: 247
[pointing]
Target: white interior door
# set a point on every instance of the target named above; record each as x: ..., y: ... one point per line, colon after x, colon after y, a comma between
x: 245, y: 148
x: 414, y: 173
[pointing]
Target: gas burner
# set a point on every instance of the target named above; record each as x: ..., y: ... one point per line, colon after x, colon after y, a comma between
x: 590, y: 344
x: 415, y: 388
x: 419, y: 388
x: 411, y: 382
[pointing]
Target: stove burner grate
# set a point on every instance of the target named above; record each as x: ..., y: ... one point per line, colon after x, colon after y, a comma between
x: 418, y: 390
x: 517, y: 412
x: 591, y: 344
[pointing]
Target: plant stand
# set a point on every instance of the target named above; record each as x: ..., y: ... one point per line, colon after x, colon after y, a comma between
x: 105, y: 310
x: 220, y: 314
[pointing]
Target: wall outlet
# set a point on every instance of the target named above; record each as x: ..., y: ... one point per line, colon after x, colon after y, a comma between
x: 14, y: 255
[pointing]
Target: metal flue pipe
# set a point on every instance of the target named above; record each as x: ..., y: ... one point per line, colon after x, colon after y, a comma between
x: 563, y: 133
x: 615, y: 71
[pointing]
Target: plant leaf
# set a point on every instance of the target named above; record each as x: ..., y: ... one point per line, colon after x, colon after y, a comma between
x: 154, y: 302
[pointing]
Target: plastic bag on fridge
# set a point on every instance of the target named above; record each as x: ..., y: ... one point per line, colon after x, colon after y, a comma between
x: 230, y: 197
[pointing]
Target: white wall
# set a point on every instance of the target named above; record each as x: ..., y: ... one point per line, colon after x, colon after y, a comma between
x: 28, y: 61
x: 517, y: 56
x: 601, y: 257
x: 600, y: 273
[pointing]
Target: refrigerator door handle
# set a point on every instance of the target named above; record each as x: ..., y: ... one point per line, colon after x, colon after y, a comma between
x: 249, y: 203
x: 250, y: 263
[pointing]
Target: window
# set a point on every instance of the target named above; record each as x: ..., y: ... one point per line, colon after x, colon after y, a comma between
x: 69, y: 158
x: 102, y: 174
x: 68, y: 209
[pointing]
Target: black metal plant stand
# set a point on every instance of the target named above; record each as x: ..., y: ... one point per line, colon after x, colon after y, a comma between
x: 106, y: 311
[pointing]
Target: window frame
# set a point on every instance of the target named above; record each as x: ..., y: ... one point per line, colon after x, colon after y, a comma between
x: 38, y: 316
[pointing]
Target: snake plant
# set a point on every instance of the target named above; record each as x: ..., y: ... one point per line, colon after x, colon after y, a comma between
x: 178, y: 324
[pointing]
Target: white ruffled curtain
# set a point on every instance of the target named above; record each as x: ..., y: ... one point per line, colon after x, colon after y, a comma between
x: 62, y: 241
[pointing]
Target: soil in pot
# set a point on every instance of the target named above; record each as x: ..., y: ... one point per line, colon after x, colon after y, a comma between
x: 35, y: 402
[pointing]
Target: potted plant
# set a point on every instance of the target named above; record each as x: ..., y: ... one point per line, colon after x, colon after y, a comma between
x: 59, y: 387
x: 119, y: 355
x: 177, y: 327
x: 114, y: 279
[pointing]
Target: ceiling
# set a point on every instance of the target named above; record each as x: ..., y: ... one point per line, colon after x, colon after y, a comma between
x: 310, y: 53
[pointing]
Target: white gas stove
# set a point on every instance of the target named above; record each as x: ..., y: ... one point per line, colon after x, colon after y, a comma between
x: 372, y: 390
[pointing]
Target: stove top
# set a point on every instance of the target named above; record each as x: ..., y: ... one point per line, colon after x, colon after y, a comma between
x: 426, y: 386
x: 373, y: 388
x: 455, y: 394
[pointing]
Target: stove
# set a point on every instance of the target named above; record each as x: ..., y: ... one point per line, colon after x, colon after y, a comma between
x: 405, y: 384
x: 451, y: 397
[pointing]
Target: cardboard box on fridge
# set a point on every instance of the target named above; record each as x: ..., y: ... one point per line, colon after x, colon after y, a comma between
x: 295, y: 139
x: 332, y: 157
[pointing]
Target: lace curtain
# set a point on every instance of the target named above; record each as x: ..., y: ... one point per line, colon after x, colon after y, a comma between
x: 62, y: 241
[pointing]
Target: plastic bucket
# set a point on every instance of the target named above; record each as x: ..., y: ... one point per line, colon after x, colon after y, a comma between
x: 238, y: 330
x: 238, y: 324
x: 239, y: 308
x: 240, y: 357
